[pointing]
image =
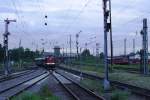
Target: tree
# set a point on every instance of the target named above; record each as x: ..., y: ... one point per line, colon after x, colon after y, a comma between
x: 19, y: 53
x: 24, y: 54
x: 85, y: 53
x: 102, y: 55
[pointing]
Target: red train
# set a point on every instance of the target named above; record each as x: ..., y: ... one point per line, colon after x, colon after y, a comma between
x: 120, y: 60
x: 124, y: 60
x: 49, y: 62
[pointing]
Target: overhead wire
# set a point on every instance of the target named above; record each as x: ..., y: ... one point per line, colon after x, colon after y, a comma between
x: 134, y: 19
x: 67, y: 12
x: 77, y: 16
x: 21, y: 22
x: 18, y: 14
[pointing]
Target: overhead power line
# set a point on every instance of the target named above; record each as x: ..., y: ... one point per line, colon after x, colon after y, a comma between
x: 18, y: 13
x: 77, y: 16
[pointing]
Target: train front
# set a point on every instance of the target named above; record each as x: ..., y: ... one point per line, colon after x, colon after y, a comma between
x: 50, y: 62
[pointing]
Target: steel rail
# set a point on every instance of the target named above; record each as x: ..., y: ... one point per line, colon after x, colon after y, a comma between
x: 81, y: 87
x: 67, y: 89
x: 134, y: 89
x: 14, y: 76
x: 30, y: 85
x: 11, y: 87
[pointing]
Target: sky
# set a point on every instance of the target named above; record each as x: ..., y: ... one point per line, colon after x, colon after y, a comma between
x: 68, y: 17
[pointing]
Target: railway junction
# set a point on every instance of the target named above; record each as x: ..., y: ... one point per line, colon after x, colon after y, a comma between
x: 66, y: 84
x: 78, y: 50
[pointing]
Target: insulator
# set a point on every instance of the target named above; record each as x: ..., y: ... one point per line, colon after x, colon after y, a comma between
x: 45, y: 24
x: 142, y: 32
x: 108, y: 27
x: 8, y: 33
x: 45, y: 16
x: 107, y: 13
x: 77, y: 35
x: 8, y: 22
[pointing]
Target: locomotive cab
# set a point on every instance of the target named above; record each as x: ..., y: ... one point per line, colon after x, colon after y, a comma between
x: 50, y: 62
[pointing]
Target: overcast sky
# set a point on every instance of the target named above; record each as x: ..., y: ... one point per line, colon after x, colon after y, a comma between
x: 65, y: 17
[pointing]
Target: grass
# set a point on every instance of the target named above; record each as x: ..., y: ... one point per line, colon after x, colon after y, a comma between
x: 1, y: 65
x: 120, y: 95
x: 43, y: 94
x: 91, y: 61
x: 88, y: 68
x: 27, y: 96
x: 95, y: 69
x: 15, y: 67
x: 88, y: 61
x: 133, y: 79
x: 130, y: 78
x: 134, y: 66
x: 23, y: 64
x: 122, y: 76
x: 97, y: 87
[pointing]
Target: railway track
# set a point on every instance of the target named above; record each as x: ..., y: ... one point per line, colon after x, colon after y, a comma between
x: 134, y: 89
x: 18, y: 71
x: 76, y: 90
x: 15, y: 75
x: 12, y: 90
x: 3, y: 76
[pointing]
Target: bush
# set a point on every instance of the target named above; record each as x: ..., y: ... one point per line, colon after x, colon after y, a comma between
x: 27, y: 96
x: 120, y: 95
x: 43, y: 94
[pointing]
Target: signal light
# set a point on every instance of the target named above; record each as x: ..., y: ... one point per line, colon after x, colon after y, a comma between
x: 45, y: 24
x: 107, y: 13
x: 108, y: 27
x: 142, y: 32
x: 45, y: 16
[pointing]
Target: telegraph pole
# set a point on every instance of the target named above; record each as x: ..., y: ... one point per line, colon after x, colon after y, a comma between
x: 145, y: 46
x: 86, y: 45
x: 80, y: 62
x: 77, y: 43
x: 107, y: 27
x: 6, y: 58
x: 97, y: 53
x: 125, y: 40
x: 63, y: 50
x: 111, y: 40
x: 70, y: 48
x: 134, y: 46
x: 42, y: 48
x: 20, y: 54
x: 66, y: 61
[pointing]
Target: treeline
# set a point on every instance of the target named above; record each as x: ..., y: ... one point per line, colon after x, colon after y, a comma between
x: 15, y: 54
x: 86, y: 53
